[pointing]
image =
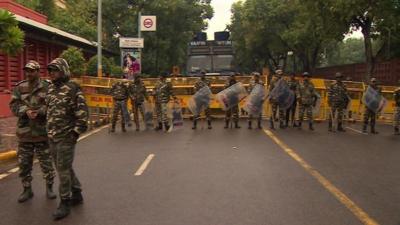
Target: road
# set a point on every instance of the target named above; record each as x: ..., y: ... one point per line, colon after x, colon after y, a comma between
x: 218, y: 177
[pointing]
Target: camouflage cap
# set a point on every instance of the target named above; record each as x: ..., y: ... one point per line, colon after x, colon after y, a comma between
x: 61, y: 64
x: 373, y: 80
x: 32, y: 65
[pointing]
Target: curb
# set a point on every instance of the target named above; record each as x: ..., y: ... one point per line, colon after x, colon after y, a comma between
x: 8, y: 155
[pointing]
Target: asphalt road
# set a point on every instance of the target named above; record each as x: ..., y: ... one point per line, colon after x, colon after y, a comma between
x: 218, y: 177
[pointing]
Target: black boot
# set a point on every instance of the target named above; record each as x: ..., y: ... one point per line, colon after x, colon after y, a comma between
x: 340, y: 128
x: 159, y: 127
x: 259, y: 125
x: 26, y: 194
x: 249, y: 127
x: 226, y: 124
x: 123, y: 128
x: 112, y: 128
x: 330, y: 126
x: 396, y: 131
x: 63, y: 210
x: 49, y: 192
x: 76, y: 198
x: 237, y: 125
x: 209, y: 124
x: 310, y: 126
x: 194, y: 124
x: 299, y: 126
x: 364, y: 130
x: 373, y: 131
x: 271, y: 124
x: 166, y: 125
x: 281, y: 125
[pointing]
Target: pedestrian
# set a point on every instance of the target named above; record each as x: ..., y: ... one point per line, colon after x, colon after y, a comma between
x: 307, y: 98
x: 67, y: 117
x: 370, y: 115
x: 28, y: 104
x: 291, y: 111
x: 138, y: 93
x: 162, y: 94
x: 120, y: 93
x: 338, y: 98
x: 397, y: 110
x: 233, y: 112
x: 275, y: 102
x: 253, y: 83
x: 203, y: 82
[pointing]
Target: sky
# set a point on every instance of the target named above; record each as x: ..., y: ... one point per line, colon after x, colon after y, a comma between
x: 222, y: 16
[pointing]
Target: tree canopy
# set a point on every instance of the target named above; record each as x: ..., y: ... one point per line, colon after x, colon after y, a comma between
x: 11, y: 37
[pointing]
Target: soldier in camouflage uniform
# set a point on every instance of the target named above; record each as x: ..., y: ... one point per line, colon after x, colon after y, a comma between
x: 138, y: 94
x: 253, y: 83
x: 369, y: 114
x: 203, y: 82
x: 291, y: 111
x: 162, y: 94
x: 275, y: 103
x: 28, y: 104
x: 120, y: 93
x: 234, y: 111
x: 67, y: 117
x: 338, y: 98
x: 306, y: 96
x: 396, y: 120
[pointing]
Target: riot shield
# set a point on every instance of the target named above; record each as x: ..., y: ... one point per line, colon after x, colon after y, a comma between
x: 200, y: 101
x: 282, y: 95
x: 254, y: 102
x: 231, y: 96
x: 373, y: 100
x: 148, y: 115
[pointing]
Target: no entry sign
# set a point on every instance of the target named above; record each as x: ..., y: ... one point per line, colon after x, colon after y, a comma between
x: 148, y: 23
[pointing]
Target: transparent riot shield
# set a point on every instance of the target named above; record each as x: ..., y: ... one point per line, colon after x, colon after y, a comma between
x: 254, y: 102
x: 148, y: 115
x: 200, y: 101
x: 231, y: 96
x: 176, y: 115
x: 373, y: 100
x: 282, y: 95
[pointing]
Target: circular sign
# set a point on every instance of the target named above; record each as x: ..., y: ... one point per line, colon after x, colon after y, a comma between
x: 148, y: 23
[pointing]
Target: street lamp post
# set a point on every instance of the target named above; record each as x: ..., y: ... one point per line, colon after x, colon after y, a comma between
x: 99, y: 28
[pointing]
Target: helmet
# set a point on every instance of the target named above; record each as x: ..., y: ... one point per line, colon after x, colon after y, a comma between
x: 60, y: 64
x: 256, y: 74
x: 338, y: 75
x: 306, y: 74
x: 373, y: 80
x: 279, y: 72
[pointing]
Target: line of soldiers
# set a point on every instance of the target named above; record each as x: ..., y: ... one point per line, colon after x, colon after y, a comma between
x: 51, y: 116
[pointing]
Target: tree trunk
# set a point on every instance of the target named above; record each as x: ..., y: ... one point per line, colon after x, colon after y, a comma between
x: 370, y: 59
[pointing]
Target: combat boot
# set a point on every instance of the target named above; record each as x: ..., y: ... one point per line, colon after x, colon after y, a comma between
x: 112, y: 128
x: 249, y: 127
x: 281, y: 125
x: 299, y: 126
x: 364, y: 130
x: 166, y: 125
x: 194, y: 124
x: 209, y: 124
x: 226, y: 124
x: 159, y: 127
x: 271, y: 124
x: 340, y: 128
x: 26, y: 194
x: 373, y: 131
x: 259, y: 125
x: 396, y: 131
x: 310, y: 126
x: 237, y: 125
x: 123, y: 128
x: 330, y: 126
x: 76, y: 198
x: 49, y: 192
x: 63, y: 209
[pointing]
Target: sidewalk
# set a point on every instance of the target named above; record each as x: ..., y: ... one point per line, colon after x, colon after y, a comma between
x: 8, y: 140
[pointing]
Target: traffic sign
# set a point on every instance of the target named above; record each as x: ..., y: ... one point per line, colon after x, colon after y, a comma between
x: 131, y: 43
x: 148, y: 23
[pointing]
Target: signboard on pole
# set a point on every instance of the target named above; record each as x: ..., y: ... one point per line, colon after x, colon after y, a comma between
x: 131, y: 43
x: 148, y: 23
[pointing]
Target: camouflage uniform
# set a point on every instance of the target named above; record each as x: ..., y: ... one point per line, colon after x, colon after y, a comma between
x: 138, y: 94
x: 397, y: 111
x: 67, y: 117
x: 197, y: 86
x: 253, y: 83
x: 31, y: 133
x: 370, y: 115
x: 337, y: 100
x: 234, y: 111
x: 275, y: 105
x: 291, y: 111
x: 306, y: 96
x: 120, y: 93
x: 162, y: 94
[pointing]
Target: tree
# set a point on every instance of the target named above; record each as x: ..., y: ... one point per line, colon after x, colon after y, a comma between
x: 92, y: 66
x: 11, y: 37
x: 75, y: 59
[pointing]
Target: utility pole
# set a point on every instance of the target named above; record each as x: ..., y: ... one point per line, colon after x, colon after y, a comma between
x: 99, y: 34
